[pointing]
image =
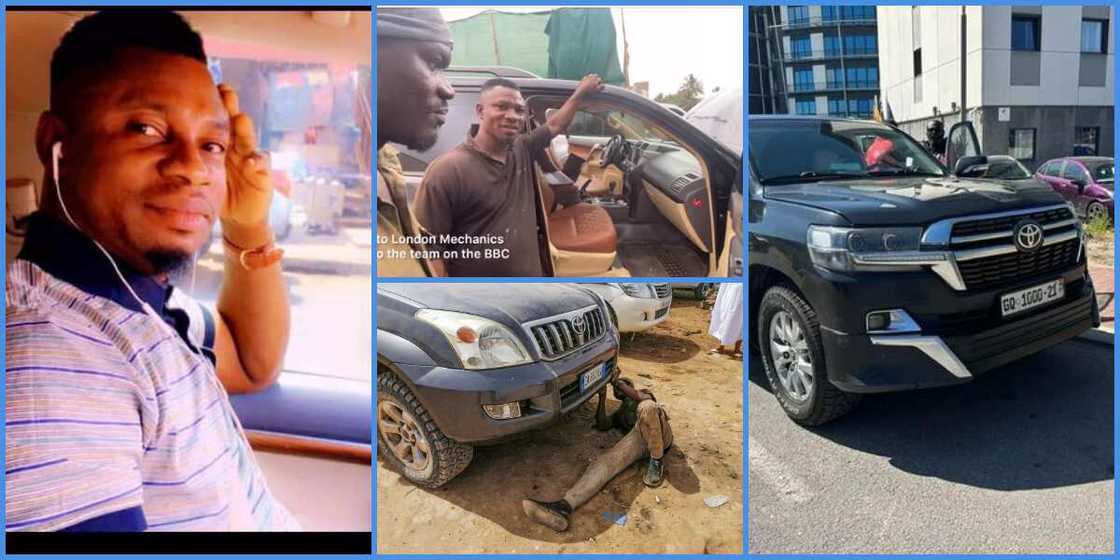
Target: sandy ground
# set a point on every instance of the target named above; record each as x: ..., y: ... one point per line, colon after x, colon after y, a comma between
x: 479, y: 511
x: 1101, y: 251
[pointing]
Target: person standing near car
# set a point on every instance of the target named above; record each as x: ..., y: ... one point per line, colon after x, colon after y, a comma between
x: 413, y: 48
x: 727, y: 320
x: 648, y: 434
x: 118, y: 417
x: 484, y: 191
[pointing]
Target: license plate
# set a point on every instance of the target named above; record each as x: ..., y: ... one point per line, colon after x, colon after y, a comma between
x: 589, y: 377
x: 1022, y: 300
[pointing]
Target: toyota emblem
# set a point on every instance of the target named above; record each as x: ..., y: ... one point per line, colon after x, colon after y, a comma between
x: 578, y: 324
x: 1028, y: 236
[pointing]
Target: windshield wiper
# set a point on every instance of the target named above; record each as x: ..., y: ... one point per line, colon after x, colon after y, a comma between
x: 812, y: 176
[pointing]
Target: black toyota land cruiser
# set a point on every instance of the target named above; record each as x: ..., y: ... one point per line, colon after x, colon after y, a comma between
x: 874, y: 268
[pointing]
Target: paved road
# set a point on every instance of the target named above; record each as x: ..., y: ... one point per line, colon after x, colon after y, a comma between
x: 1020, y: 461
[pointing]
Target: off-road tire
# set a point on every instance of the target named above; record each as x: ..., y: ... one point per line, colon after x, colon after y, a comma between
x: 825, y: 402
x: 450, y: 457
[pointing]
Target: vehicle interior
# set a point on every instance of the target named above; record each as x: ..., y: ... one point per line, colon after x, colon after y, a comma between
x: 622, y: 196
x: 300, y: 77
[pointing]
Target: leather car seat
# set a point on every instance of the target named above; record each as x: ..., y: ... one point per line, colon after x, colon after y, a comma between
x: 583, y: 234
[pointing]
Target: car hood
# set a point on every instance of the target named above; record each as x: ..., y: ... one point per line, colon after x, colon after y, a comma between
x: 507, y: 303
x: 915, y: 200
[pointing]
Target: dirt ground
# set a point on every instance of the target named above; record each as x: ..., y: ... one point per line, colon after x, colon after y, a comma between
x: 480, y: 512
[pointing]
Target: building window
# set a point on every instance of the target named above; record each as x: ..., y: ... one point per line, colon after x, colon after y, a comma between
x: 859, y: 108
x: 1026, y: 32
x: 800, y: 47
x: 917, y: 62
x: 835, y: 77
x: 798, y: 15
x: 837, y: 107
x: 857, y: 12
x: 831, y: 45
x: 863, y: 77
x: 1087, y: 141
x: 860, y: 44
x: 808, y: 107
x: 828, y: 13
x: 1021, y: 143
x: 803, y: 80
x: 1094, y: 36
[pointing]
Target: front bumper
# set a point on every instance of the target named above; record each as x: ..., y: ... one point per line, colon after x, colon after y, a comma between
x: 546, y: 390
x: 962, y: 335
x: 639, y: 314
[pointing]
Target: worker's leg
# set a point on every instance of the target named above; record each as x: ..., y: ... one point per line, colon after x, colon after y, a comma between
x: 555, y: 514
x: 653, y: 424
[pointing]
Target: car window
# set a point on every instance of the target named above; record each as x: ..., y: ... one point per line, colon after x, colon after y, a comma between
x: 785, y: 149
x: 1046, y: 168
x: 309, y: 111
x: 1074, y: 172
x: 1104, y: 172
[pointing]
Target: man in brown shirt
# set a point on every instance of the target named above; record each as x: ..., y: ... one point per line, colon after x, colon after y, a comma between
x: 483, y: 194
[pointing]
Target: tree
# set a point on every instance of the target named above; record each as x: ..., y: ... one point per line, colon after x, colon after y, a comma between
x: 687, y: 96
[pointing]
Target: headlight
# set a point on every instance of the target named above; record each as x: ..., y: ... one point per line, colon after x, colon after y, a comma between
x: 848, y: 249
x: 479, y: 342
x: 638, y: 290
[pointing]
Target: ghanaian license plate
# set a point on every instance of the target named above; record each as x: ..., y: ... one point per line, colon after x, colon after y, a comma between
x: 591, y: 376
x: 1022, y: 300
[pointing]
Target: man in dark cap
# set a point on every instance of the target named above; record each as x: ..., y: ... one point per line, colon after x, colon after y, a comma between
x: 413, y: 49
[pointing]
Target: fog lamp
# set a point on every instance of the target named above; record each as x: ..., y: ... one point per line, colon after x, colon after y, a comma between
x: 503, y: 411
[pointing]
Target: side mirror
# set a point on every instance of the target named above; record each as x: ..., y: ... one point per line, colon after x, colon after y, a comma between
x: 968, y: 166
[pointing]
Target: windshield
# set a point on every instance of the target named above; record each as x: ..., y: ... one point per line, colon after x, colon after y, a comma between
x: 1104, y: 172
x: 786, y: 151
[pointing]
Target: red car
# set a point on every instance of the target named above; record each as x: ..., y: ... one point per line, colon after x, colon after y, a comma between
x: 1087, y: 182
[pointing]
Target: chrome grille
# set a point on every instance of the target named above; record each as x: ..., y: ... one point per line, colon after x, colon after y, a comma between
x: 662, y: 290
x: 983, y: 251
x: 563, y: 334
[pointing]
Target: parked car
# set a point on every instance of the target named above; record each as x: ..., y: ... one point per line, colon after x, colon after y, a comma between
x: 462, y: 365
x: 1005, y: 168
x: 874, y: 268
x: 635, y: 307
x: 700, y: 290
x: 1087, y: 182
x: 637, y: 191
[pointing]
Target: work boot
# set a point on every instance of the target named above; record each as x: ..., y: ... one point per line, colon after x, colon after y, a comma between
x: 655, y: 473
x: 553, y: 515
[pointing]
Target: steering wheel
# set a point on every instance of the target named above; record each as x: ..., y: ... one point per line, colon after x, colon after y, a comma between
x: 615, y: 151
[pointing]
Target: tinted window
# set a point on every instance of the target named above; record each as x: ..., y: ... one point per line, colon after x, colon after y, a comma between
x: 1104, y: 172
x: 1025, y: 33
x: 786, y: 148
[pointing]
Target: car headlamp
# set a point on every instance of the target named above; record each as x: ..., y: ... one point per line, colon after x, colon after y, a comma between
x: 849, y: 249
x: 638, y: 290
x: 479, y: 342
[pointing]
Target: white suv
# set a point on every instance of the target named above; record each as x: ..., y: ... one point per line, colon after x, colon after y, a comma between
x: 636, y: 307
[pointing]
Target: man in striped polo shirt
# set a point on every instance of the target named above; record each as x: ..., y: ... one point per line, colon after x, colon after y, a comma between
x: 118, y: 417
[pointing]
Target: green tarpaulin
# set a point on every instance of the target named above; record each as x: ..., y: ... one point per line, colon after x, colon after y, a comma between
x: 582, y: 41
x: 567, y: 43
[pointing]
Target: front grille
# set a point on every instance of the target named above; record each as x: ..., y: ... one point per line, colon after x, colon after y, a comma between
x: 558, y: 336
x: 1009, y: 267
x: 987, y: 257
x: 662, y: 290
x: 1006, y: 223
